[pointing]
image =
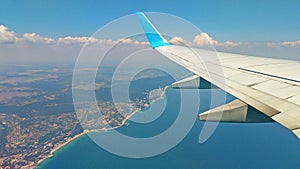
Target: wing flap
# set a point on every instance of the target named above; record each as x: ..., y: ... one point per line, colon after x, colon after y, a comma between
x: 297, y: 132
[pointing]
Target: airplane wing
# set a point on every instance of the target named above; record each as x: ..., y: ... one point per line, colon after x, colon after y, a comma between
x: 269, y: 86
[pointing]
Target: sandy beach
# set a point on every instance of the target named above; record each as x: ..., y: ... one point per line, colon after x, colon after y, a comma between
x: 1, y: 160
x: 60, y: 146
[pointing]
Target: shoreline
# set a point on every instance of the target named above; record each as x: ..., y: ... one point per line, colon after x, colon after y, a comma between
x: 60, y: 146
x: 52, y: 152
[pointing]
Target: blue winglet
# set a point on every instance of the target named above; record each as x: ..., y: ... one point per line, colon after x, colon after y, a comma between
x: 154, y: 37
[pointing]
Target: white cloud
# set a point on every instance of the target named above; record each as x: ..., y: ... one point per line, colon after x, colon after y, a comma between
x: 68, y: 40
x: 129, y: 41
x: 35, y: 38
x: 7, y: 36
x: 204, y: 39
x: 177, y: 40
x: 229, y: 44
x: 291, y: 43
x: 284, y: 44
x: 82, y: 40
x: 140, y: 43
x: 126, y: 41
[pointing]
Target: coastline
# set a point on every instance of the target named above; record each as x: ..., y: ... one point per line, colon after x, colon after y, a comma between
x: 94, y: 130
x: 60, y: 146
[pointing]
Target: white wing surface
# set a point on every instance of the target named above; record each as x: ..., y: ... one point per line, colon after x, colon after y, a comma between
x: 271, y: 86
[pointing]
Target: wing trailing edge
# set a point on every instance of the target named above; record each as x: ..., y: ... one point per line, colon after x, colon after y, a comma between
x: 235, y: 111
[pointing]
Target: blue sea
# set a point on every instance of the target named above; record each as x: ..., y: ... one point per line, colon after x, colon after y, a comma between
x: 232, y: 146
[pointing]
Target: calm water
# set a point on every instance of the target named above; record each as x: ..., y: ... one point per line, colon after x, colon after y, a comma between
x: 265, y: 145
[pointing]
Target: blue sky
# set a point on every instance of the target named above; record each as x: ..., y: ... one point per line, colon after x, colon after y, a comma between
x: 234, y: 20
x: 55, y: 31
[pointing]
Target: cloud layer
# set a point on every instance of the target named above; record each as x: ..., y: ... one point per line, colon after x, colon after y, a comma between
x: 10, y: 37
x: 34, y: 47
x: 203, y: 39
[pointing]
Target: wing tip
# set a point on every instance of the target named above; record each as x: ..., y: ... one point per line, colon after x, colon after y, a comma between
x: 154, y: 37
x: 139, y: 13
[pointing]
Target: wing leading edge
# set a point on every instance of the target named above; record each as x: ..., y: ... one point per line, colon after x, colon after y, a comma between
x: 255, y: 81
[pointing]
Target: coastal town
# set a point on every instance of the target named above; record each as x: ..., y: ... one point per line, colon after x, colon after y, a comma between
x: 31, y: 140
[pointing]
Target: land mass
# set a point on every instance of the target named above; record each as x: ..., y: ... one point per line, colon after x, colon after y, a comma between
x: 37, y: 115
